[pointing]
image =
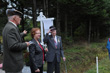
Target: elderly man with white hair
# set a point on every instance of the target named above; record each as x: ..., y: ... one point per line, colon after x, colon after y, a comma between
x: 12, y: 43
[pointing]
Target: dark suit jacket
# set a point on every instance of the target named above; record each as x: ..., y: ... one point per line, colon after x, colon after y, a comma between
x: 13, y: 47
x: 35, y: 55
x: 52, y: 51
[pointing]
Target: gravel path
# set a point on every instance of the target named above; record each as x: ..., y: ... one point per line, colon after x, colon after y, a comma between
x: 25, y: 70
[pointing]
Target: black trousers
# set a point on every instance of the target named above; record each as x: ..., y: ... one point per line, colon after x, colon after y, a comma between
x: 40, y: 68
x: 53, y: 65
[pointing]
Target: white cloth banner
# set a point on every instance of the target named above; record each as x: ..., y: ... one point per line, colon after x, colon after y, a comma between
x: 47, y: 24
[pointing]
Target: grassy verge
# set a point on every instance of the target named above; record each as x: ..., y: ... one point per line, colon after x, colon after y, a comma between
x: 104, y: 66
x: 81, y: 57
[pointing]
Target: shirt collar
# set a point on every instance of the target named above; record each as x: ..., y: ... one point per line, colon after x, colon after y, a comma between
x: 13, y: 23
x: 55, y: 39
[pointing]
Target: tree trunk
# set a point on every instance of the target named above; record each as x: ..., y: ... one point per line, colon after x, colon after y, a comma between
x: 34, y: 14
x: 22, y: 22
x: 58, y: 19
x: 45, y: 7
x: 89, y: 38
x: 22, y: 19
x: 44, y: 11
x: 97, y: 33
x: 65, y: 24
x: 71, y: 29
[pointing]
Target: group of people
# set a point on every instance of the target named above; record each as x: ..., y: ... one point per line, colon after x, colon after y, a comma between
x: 13, y: 47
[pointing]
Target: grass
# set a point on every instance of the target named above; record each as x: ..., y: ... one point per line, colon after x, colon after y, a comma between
x: 81, y: 57
x: 104, y: 66
x: 1, y: 39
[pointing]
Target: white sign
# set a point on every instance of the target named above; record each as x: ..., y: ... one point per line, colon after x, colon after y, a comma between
x: 47, y: 24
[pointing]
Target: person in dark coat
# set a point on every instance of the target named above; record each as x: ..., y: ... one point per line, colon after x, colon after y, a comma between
x: 55, y: 50
x: 12, y: 43
x: 36, y: 52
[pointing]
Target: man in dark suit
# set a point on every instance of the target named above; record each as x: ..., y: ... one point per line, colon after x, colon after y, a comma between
x: 55, y: 50
x: 12, y: 43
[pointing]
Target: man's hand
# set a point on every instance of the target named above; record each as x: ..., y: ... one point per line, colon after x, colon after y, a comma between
x: 25, y: 32
x: 49, y: 31
x: 27, y: 43
x: 64, y: 59
x: 37, y: 70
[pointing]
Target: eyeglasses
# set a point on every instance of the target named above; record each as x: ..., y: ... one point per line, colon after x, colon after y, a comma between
x: 37, y: 33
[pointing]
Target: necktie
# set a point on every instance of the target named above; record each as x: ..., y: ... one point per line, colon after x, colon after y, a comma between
x: 55, y: 43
